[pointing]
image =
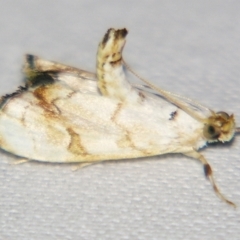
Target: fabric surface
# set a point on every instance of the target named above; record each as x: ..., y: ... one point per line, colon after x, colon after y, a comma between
x: 188, y: 47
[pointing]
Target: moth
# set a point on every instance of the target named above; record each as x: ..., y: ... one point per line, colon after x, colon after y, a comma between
x: 67, y: 115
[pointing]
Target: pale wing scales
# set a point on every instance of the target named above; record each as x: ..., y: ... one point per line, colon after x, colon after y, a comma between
x: 59, y: 125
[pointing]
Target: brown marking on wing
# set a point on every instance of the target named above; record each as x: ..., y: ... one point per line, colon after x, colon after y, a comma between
x: 126, y: 141
x: 22, y: 119
x: 71, y: 94
x: 116, y: 112
x: 46, y: 100
x: 55, y: 135
x: 75, y: 146
x: 142, y: 96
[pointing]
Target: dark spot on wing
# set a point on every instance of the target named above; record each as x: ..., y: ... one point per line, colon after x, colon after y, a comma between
x: 173, y: 115
x: 40, y: 78
x: 142, y: 96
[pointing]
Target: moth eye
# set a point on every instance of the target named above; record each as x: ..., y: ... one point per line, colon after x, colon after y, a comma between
x: 223, y: 114
x: 211, y: 132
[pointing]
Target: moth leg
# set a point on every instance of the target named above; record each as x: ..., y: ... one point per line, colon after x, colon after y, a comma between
x: 112, y: 80
x: 81, y: 165
x: 20, y: 161
x: 209, y: 174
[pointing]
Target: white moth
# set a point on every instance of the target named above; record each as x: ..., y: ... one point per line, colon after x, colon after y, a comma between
x: 67, y: 115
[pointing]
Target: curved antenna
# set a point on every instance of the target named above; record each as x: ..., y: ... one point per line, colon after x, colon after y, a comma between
x: 170, y: 96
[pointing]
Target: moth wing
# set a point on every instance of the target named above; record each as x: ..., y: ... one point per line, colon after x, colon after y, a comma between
x: 57, y: 124
x: 76, y: 79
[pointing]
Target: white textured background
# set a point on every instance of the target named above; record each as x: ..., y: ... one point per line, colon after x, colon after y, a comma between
x: 189, y: 47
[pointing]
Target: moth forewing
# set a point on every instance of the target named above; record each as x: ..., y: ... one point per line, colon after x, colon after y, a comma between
x: 64, y: 114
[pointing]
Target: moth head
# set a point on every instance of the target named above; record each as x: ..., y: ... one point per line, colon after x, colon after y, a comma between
x: 219, y: 127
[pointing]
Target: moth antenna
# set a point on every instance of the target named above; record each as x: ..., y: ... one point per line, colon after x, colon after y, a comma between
x: 170, y: 96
